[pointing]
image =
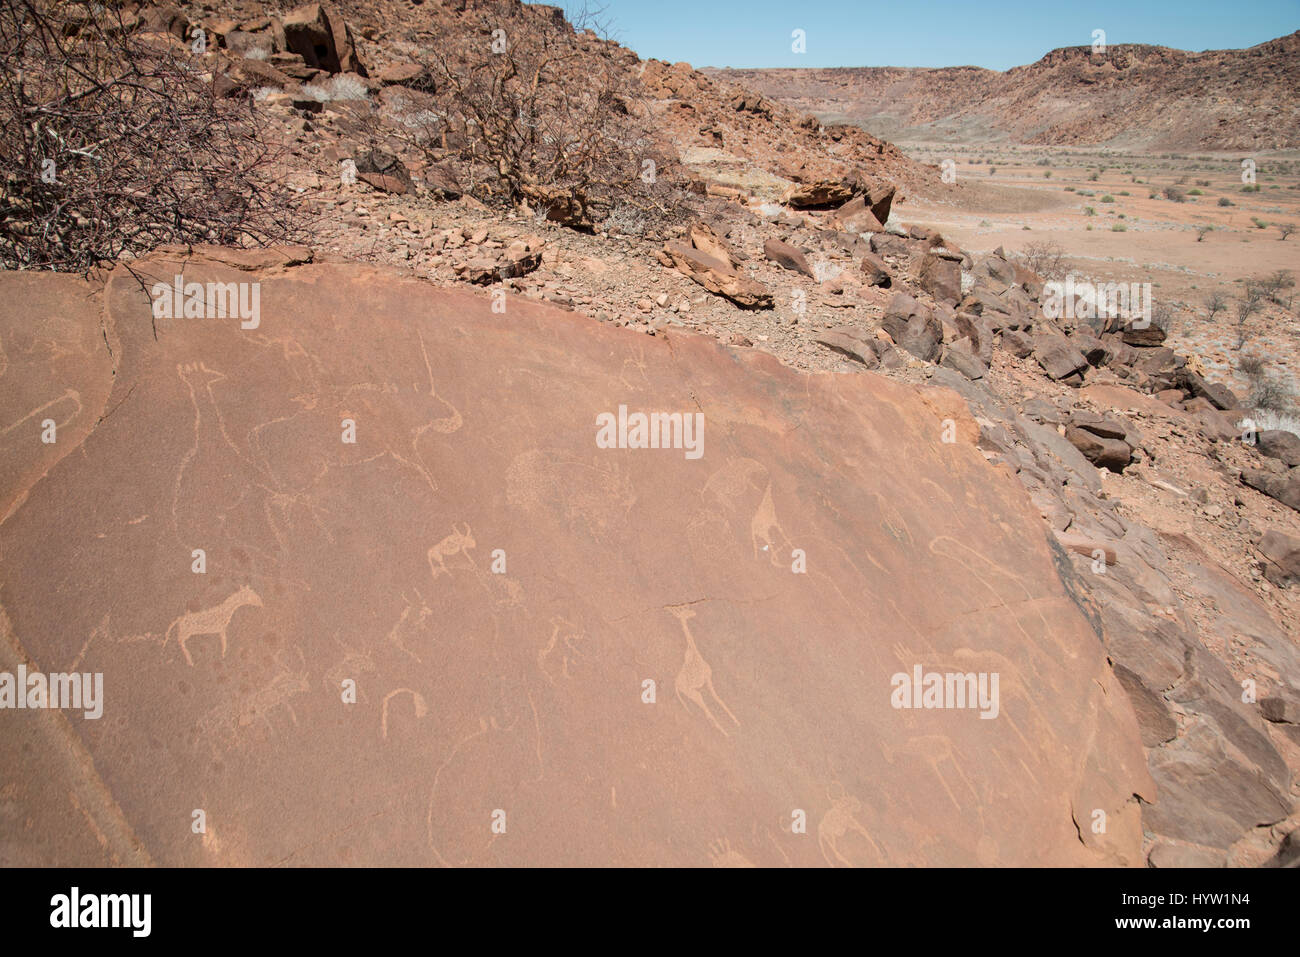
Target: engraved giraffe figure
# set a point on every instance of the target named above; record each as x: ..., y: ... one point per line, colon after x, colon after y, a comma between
x: 211, y: 621
x: 696, y: 674
x: 764, y: 527
x: 457, y: 543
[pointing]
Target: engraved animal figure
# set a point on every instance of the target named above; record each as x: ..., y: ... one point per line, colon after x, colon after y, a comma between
x: 457, y: 543
x: 223, y: 725
x: 696, y: 674
x: 210, y: 621
x: 836, y: 824
x: 764, y: 527
x: 564, y: 631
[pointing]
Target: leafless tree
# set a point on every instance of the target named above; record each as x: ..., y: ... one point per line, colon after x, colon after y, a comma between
x: 1215, y: 303
x: 1247, y: 306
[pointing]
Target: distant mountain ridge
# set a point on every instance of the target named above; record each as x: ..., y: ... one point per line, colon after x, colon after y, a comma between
x: 1134, y: 96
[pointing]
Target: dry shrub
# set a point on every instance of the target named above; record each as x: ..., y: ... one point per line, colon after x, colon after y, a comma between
x: 544, y: 116
x: 112, y: 143
x: 1046, y: 258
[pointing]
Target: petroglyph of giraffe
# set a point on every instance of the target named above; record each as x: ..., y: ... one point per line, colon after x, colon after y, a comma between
x: 448, y: 423
x: 765, y: 527
x: 696, y: 674
x: 210, y: 621
x: 457, y: 543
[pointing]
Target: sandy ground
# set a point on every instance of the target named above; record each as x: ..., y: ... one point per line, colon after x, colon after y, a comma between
x: 1007, y: 198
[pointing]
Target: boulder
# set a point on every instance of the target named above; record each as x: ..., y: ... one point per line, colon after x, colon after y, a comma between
x: 1209, y: 794
x: 874, y: 271
x: 703, y: 237
x: 1284, y: 486
x: 959, y: 357
x: 1057, y: 356
x: 373, y: 561
x: 1220, y: 396
x: 940, y: 276
x: 852, y: 342
x: 1141, y: 332
x: 787, y: 257
x: 413, y: 76
x: 1109, y: 453
x: 167, y: 18
x: 718, y: 277
x: 1279, y: 444
x: 979, y: 331
x: 818, y: 194
x: 913, y: 327
x: 1102, y: 425
x: 1017, y: 343
x: 856, y: 216
x: 1094, y: 350
x: 1281, y: 557
x: 383, y: 171
x: 880, y: 199
x: 1280, y: 709
x: 318, y: 34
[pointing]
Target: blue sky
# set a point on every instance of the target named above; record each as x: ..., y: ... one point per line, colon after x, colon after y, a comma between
x: 997, y: 34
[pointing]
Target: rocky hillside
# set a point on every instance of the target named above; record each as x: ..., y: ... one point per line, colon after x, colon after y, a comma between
x: 909, y: 460
x: 1132, y: 97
